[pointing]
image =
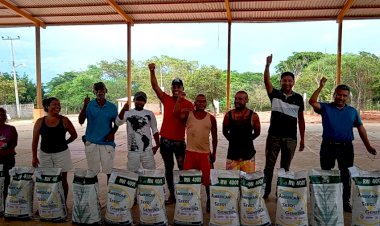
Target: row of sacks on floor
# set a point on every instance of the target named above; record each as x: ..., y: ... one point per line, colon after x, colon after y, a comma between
x: 236, y: 197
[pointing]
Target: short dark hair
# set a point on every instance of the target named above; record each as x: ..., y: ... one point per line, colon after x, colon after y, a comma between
x: 98, y: 86
x: 287, y: 73
x: 343, y: 87
x: 3, y: 110
x: 46, y: 102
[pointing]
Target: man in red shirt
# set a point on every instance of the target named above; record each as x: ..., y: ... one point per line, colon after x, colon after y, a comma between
x: 172, y: 131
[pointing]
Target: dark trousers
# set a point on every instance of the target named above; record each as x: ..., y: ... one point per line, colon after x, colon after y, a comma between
x: 344, y: 154
x: 167, y: 149
x: 273, y: 146
x: 8, y: 163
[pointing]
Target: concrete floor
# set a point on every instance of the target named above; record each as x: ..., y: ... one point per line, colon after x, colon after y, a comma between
x: 309, y: 158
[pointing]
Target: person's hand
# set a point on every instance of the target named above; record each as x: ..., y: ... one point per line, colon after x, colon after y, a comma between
x: 372, y: 150
x: 269, y: 59
x: 110, y: 137
x: 126, y: 107
x: 35, y: 162
x: 155, y: 149
x: 86, y: 100
x: 302, y: 145
x: 212, y: 157
x: 152, y: 66
x: 181, y: 95
x: 322, y: 82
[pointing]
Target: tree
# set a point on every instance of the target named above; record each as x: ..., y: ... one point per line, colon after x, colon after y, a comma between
x: 359, y: 72
x: 7, y: 89
x: 298, y: 62
x: 206, y: 80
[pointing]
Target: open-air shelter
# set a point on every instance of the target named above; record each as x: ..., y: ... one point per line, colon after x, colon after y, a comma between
x: 44, y: 13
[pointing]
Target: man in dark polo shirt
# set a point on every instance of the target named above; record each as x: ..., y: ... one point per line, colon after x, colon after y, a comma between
x: 338, y: 119
x: 287, y: 110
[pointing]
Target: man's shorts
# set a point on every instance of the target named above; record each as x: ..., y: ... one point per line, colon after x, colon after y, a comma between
x: 56, y: 160
x: 99, y: 154
x: 198, y: 161
x: 137, y: 158
x: 248, y: 166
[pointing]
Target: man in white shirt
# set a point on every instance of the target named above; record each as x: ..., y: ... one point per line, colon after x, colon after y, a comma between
x: 141, y: 124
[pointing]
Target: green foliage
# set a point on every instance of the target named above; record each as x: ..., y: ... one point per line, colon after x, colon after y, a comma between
x: 359, y: 71
x: 26, y: 89
x: 309, y: 80
x: 206, y: 80
x: 253, y: 84
x: 298, y: 61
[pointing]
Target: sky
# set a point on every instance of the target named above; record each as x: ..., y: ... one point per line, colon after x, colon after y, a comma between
x: 73, y: 48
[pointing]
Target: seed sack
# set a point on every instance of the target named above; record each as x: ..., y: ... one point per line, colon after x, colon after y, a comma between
x: 224, y: 192
x: 19, y: 202
x: 86, y: 206
x: 151, y: 197
x: 291, y: 198
x: 326, y: 197
x: 365, y: 196
x: 121, y: 195
x: 253, y: 210
x: 50, y: 196
x: 188, y: 210
x: 2, y: 189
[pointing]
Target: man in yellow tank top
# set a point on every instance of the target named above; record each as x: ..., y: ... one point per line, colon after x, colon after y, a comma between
x: 199, y: 125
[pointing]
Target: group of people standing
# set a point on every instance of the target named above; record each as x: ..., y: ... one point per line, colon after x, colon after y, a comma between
x: 241, y: 126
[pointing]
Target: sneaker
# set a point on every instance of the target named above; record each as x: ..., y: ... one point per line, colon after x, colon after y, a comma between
x: 170, y: 200
x: 347, y: 208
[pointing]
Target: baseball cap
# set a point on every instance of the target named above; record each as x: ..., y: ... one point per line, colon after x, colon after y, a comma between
x: 177, y: 81
x: 140, y: 94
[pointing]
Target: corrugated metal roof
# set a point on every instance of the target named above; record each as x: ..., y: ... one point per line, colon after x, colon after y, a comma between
x: 68, y: 12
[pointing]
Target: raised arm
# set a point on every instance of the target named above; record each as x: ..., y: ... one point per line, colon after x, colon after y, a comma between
x: 153, y: 81
x: 82, y: 115
x: 214, y: 136
x: 178, y: 112
x: 120, y: 118
x: 313, y: 101
x: 363, y: 135
x: 70, y: 128
x: 267, y: 82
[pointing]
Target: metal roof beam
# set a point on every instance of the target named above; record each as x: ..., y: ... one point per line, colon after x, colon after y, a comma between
x: 228, y: 11
x: 120, y: 11
x: 22, y: 13
x: 345, y: 9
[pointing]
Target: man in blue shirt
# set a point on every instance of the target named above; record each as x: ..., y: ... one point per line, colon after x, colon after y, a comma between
x: 100, y: 131
x: 338, y: 119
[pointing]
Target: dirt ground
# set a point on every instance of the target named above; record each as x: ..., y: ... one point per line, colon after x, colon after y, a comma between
x: 307, y: 159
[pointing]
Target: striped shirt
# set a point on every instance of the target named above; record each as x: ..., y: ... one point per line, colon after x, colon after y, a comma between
x: 284, y: 116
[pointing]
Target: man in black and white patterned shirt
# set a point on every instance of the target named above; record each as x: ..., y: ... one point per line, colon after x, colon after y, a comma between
x: 141, y: 124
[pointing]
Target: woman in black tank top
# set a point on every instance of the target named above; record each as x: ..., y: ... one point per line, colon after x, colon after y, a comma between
x: 52, y: 128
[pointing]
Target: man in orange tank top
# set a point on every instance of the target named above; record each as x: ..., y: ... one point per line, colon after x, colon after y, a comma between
x: 199, y: 124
